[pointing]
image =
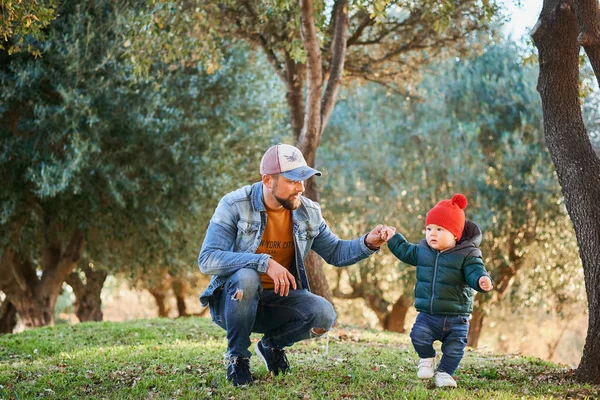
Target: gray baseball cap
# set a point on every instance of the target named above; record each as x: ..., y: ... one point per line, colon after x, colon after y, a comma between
x: 287, y: 161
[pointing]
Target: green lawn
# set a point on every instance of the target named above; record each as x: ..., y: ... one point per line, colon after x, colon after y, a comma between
x: 183, y: 358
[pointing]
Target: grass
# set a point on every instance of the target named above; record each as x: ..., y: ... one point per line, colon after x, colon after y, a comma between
x: 183, y: 359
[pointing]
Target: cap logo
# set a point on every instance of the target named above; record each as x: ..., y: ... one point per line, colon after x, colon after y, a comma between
x: 293, y: 158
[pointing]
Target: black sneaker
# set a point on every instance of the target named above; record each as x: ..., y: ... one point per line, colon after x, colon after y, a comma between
x: 238, y: 371
x: 275, y: 359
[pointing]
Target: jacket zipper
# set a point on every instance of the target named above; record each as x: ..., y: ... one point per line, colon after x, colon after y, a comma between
x: 294, y: 232
x: 435, y: 268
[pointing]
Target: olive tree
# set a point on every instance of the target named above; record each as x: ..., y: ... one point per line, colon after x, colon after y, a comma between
x: 98, y: 164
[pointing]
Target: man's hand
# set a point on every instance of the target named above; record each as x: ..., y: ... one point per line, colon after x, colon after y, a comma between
x: 379, y: 235
x: 387, y: 232
x: 282, y: 278
x: 485, y: 283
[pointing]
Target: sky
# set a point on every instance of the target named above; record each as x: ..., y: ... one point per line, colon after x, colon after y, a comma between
x: 523, y: 17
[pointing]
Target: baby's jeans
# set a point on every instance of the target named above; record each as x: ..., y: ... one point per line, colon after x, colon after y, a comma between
x: 450, y: 330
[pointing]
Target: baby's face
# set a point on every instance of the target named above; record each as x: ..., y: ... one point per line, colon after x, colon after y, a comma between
x: 439, y: 238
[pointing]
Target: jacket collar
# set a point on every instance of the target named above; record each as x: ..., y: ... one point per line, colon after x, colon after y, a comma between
x: 257, y: 197
x: 471, y: 235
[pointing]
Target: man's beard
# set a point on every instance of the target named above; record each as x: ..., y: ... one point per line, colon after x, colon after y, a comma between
x: 287, y: 203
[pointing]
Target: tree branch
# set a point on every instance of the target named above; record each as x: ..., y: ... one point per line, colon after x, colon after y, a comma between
x: 56, y: 274
x: 311, y: 132
x: 75, y: 282
x: 295, y: 83
x: 262, y: 41
x: 588, y: 19
x: 259, y: 39
x: 338, y: 50
x: 11, y: 272
x: 407, y: 25
x: 366, y: 22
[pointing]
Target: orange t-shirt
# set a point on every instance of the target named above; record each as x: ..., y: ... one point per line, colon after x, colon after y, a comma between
x: 277, y: 241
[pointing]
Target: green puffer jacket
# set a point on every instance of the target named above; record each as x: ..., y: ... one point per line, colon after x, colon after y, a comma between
x: 444, y: 280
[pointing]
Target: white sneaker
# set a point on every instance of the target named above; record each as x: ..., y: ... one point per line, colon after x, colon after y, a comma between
x: 443, y: 379
x: 426, y: 368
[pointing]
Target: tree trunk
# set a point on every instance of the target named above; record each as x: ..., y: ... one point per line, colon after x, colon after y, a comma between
x: 504, y: 275
x: 318, y: 107
x: 372, y: 295
x: 158, y: 285
x: 8, y: 317
x: 294, y: 80
x: 552, y: 346
x: 35, y: 297
x: 397, y: 318
x: 475, y: 327
x: 88, y: 302
x: 588, y: 16
x: 316, y: 276
x: 179, y: 290
x: 577, y: 166
x: 159, y: 297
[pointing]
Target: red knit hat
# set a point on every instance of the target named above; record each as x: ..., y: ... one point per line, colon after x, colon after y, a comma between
x: 449, y: 215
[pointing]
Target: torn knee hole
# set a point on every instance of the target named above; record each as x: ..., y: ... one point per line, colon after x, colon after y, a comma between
x: 319, y: 331
x: 238, y: 295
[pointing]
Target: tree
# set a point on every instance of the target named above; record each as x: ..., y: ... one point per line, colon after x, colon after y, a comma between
x: 87, y: 287
x: 564, y: 26
x: 313, y: 45
x: 518, y: 194
x: 96, y: 163
x: 477, y: 131
x: 8, y: 316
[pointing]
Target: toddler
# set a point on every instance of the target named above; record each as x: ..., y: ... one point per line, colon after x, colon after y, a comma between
x: 449, y: 266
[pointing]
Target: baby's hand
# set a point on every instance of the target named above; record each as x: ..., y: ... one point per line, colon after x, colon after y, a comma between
x: 485, y: 283
x: 387, y: 232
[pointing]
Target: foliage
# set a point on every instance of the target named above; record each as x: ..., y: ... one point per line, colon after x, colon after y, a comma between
x: 313, y: 46
x: 519, y: 203
x: 136, y: 164
x: 174, y: 33
x: 553, y: 277
x: 22, y: 22
x: 476, y: 129
x: 380, y: 41
x: 388, y: 41
x: 183, y: 358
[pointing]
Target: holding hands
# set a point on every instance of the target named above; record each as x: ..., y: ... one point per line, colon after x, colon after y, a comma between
x: 379, y: 235
x: 387, y: 232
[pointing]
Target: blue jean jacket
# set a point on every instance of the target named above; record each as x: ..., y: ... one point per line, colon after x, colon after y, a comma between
x: 236, y: 229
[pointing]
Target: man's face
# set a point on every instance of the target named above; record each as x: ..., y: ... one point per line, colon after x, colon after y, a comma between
x: 287, y: 192
x: 439, y: 238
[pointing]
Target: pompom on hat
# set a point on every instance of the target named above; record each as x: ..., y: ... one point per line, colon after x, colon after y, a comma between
x: 449, y: 215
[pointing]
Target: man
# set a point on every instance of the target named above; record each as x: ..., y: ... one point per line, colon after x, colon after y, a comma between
x: 255, y: 248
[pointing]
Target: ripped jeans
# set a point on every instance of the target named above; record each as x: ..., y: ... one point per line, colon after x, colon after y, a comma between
x: 243, y: 307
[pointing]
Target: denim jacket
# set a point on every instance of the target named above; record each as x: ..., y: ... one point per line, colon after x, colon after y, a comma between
x: 236, y: 229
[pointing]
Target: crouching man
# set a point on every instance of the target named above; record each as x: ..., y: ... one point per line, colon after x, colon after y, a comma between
x: 255, y: 248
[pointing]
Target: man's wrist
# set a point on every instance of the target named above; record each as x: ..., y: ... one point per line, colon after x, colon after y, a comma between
x: 263, y: 265
x: 370, y: 247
